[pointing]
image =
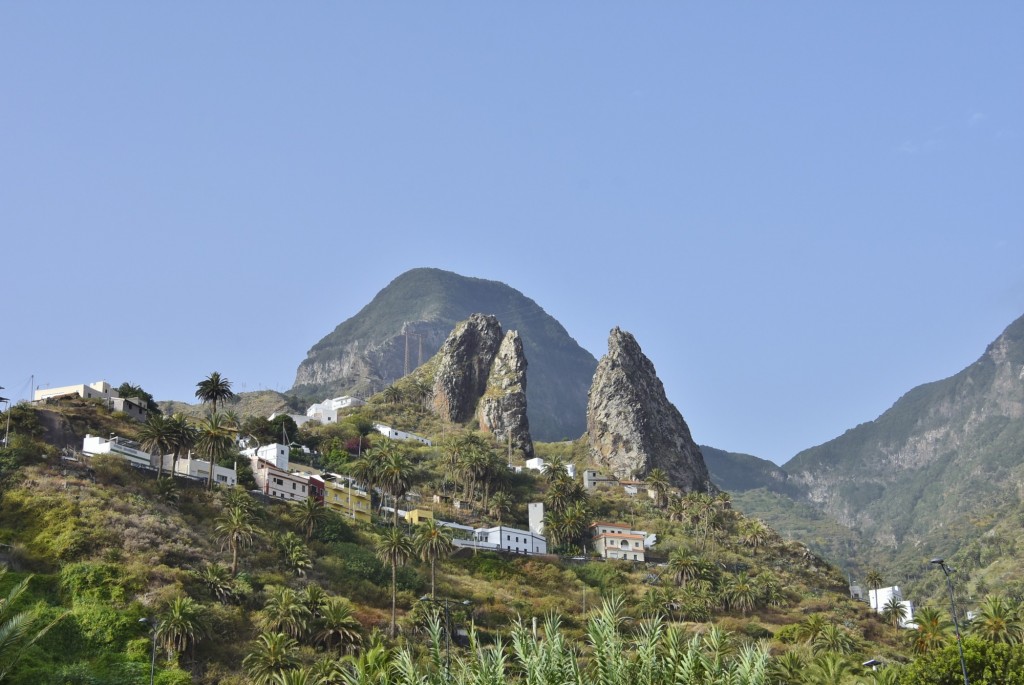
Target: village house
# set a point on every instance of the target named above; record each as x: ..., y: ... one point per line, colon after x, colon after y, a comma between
x: 274, y: 481
x: 877, y: 599
x: 389, y: 432
x: 341, y: 494
x: 538, y: 464
x: 197, y: 469
x: 327, y: 411
x: 618, y: 541
x: 133, y: 407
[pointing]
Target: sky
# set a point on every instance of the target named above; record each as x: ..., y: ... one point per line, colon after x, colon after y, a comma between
x: 800, y: 210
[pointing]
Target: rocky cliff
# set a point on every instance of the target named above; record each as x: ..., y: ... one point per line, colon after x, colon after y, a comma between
x: 945, y: 454
x: 463, y: 365
x: 632, y: 427
x: 406, y: 323
x: 502, y: 409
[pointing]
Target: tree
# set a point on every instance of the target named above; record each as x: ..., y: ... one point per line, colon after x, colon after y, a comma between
x: 392, y: 394
x: 183, y: 437
x: 894, y: 612
x: 310, y: 513
x: 657, y: 480
x: 832, y: 639
x: 274, y: 653
x: 755, y: 534
x: 394, y: 471
x: 285, y: 612
x: 128, y: 390
x: 217, y: 579
x: 741, y: 593
x: 337, y: 626
x: 433, y: 543
x: 156, y: 436
x: 394, y: 549
x: 180, y: 625
x: 213, y: 389
x: 235, y: 528
x: 684, y: 566
x: 998, y: 620
x: 19, y: 630
x: 874, y: 580
x: 829, y: 669
x: 933, y: 630
x: 500, y: 505
x: 216, y: 441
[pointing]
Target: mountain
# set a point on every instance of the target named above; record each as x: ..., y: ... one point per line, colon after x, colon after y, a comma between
x: 406, y: 323
x: 735, y: 472
x: 934, y: 473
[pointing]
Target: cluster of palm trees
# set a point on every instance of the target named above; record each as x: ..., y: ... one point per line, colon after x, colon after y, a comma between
x: 430, y: 542
x: 475, y: 466
x: 568, y: 515
x: 998, y: 619
x: 213, y: 438
x: 387, y: 468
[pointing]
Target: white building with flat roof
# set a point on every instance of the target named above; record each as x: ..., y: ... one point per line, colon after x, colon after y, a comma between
x: 327, y: 411
x: 878, y: 599
x: 275, y: 453
x: 394, y: 434
x: 134, y: 407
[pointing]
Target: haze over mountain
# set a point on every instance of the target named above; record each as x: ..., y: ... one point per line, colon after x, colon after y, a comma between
x: 406, y: 323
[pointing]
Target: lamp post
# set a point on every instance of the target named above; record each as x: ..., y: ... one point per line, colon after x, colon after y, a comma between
x: 446, y: 603
x: 152, y: 623
x: 952, y: 606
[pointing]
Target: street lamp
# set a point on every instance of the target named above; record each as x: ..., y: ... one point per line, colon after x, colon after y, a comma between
x: 952, y: 605
x: 152, y: 623
x: 446, y: 603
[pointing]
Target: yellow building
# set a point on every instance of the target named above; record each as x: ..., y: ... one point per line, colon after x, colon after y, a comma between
x: 344, y: 497
x: 418, y: 516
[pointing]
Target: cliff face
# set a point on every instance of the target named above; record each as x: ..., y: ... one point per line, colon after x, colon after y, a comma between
x: 502, y: 409
x: 632, y: 427
x: 945, y: 453
x: 406, y: 323
x: 464, y: 363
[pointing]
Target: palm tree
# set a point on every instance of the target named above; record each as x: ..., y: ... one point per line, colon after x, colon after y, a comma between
x: 394, y: 548
x: 874, y: 580
x: 338, y: 626
x: 18, y: 630
x: 394, y: 471
x: 998, y: 620
x: 755, y: 534
x: 809, y: 629
x: 392, y: 394
x: 156, y: 435
x: 181, y: 625
x: 933, y: 630
x: 829, y: 669
x: 216, y: 441
x: 789, y: 669
x: 684, y: 566
x: 500, y: 505
x: 310, y: 513
x: 274, y: 653
x: 183, y: 436
x: 894, y: 612
x: 433, y: 543
x: 285, y: 612
x: 741, y: 593
x: 235, y: 528
x: 657, y: 480
x: 214, y: 388
x: 833, y: 640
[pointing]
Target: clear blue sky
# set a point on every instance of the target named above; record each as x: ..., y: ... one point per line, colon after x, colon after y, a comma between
x: 801, y: 210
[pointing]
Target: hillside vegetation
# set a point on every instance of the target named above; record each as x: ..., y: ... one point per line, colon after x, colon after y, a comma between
x: 107, y: 546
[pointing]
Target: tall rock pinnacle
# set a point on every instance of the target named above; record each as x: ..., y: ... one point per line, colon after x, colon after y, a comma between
x: 464, y: 363
x: 632, y: 427
x: 502, y: 409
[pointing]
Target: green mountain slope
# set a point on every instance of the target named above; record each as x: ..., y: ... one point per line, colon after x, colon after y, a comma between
x: 916, y: 481
x: 406, y: 323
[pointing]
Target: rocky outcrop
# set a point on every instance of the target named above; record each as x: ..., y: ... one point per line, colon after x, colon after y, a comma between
x: 502, y: 409
x: 632, y: 427
x: 409, y: 320
x: 463, y: 365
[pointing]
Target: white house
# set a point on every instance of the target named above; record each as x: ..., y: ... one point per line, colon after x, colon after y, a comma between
x: 536, y: 515
x: 277, y: 482
x: 618, y: 541
x: 122, y: 447
x: 275, y: 453
x: 327, y: 411
x: 878, y: 599
x: 133, y: 452
x: 299, y: 419
x: 538, y: 464
x: 134, y: 407
x: 389, y: 432
x: 513, y: 540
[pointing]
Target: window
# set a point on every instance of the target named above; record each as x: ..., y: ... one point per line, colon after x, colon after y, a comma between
x: 293, y: 486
